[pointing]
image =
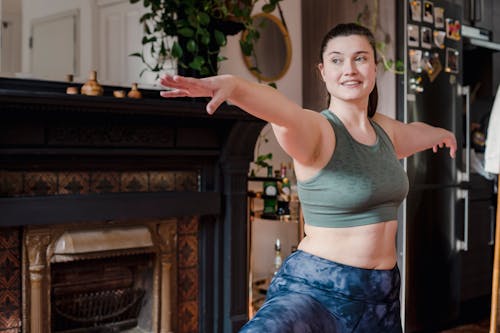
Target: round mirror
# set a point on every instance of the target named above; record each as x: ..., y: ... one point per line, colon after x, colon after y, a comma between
x: 272, y: 52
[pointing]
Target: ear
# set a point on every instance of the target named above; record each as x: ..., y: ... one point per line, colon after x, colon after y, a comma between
x: 321, y: 70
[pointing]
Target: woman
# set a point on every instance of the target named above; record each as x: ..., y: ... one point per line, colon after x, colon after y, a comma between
x: 344, y: 277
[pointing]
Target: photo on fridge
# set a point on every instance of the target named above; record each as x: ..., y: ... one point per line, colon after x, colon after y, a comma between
x: 416, y: 10
x: 451, y: 60
x: 439, y: 17
x: 426, y: 37
x: 428, y: 12
x: 439, y: 38
x: 413, y: 35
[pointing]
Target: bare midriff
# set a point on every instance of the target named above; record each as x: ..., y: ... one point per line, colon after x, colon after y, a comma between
x: 370, y: 246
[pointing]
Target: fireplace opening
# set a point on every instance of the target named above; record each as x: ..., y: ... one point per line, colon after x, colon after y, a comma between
x: 103, y: 294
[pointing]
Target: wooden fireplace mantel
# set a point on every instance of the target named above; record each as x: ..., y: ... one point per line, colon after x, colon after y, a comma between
x: 42, y: 129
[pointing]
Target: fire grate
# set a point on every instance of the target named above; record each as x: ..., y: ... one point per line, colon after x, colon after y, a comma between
x: 100, y: 311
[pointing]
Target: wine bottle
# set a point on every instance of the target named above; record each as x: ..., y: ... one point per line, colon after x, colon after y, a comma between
x: 284, y: 196
x: 293, y: 205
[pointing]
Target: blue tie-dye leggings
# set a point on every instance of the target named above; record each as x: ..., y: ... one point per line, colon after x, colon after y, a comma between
x: 310, y: 294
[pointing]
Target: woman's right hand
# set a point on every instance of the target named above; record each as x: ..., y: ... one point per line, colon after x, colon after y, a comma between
x: 219, y: 88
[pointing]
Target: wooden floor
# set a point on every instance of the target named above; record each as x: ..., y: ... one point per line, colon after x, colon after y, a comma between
x: 479, y: 327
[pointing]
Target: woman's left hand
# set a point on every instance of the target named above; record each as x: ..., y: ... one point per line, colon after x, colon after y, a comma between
x: 449, y: 141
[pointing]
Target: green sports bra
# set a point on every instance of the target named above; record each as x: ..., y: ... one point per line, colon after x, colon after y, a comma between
x: 360, y: 185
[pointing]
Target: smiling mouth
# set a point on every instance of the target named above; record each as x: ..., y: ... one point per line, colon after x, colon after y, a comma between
x: 351, y: 83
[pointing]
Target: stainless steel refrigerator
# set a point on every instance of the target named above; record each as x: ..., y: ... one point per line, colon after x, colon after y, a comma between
x: 434, y: 214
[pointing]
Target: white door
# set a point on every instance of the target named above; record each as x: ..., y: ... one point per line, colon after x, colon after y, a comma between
x: 120, y: 35
x: 54, y: 46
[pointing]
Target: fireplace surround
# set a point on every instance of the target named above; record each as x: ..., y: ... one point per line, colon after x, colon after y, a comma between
x: 74, y: 166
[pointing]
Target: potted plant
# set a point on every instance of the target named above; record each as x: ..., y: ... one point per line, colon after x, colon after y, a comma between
x: 192, y: 32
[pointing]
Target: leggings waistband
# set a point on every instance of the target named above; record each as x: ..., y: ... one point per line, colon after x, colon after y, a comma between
x: 353, y: 282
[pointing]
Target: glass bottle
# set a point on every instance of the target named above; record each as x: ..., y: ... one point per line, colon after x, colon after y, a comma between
x: 278, y: 259
x: 293, y: 205
x: 270, y: 195
x: 284, y: 196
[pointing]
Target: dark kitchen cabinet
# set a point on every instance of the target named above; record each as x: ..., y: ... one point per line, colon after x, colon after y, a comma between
x: 477, y: 261
x: 481, y: 14
x: 478, y: 13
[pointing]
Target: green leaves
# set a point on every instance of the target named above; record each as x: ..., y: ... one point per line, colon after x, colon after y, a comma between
x: 220, y: 38
x: 186, y: 32
x: 203, y: 18
x: 177, y: 50
x: 246, y: 48
x: 197, y: 63
x: 261, y: 159
x: 193, y: 31
x: 191, y: 46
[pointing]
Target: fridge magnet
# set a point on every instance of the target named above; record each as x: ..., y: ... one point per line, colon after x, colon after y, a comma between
x: 432, y: 65
x: 413, y: 35
x: 439, y: 17
x: 426, y: 37
x: 452, y: 29
x: 415, y: 60
x: 416, y: 84
x: 439, y: 38
x: 428, y: 12
x: 451, y: 60
x: 416, y: 10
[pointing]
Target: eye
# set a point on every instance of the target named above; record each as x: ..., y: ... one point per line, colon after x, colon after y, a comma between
x: 360, y: 58
x: 336, y: 61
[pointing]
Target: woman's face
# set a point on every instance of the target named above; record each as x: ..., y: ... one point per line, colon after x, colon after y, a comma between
x: 349, y: 69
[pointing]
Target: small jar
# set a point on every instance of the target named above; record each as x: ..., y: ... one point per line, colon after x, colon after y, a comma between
x: 92, y: 87
x: 119, y: 93
x: 134, y: 92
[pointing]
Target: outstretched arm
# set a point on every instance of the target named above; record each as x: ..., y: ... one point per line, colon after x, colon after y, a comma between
x: 296, y: 129
x: 411, y: 138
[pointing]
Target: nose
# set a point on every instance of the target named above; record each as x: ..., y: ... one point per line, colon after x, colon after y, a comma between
x: 349, y: 67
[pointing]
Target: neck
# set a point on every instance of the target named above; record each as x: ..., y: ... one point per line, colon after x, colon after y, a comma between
x: 350, y: 112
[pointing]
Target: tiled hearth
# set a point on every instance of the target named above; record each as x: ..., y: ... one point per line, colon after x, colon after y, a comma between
x: 73, y: 166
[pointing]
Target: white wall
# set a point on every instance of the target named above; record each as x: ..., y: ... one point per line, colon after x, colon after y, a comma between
x: 36, y: 9
x: 290, y: 85
x: 102, y: 25
x: 386, y: 81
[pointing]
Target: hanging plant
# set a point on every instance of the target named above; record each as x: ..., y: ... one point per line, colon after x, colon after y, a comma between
x: 190, y: 33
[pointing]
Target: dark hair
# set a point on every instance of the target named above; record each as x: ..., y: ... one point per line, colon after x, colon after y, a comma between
x: 349, y: 29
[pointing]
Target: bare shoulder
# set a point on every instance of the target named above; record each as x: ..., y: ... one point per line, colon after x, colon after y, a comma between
x: 391, y: 126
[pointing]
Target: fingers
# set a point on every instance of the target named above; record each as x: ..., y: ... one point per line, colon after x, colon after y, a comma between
x: 174, y: 93
x: 215, y: 102
x: 182, y: 82
x: 172, y: 82
x: 453, y: 148
x: 452, y: 152
x: 217, y: 88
